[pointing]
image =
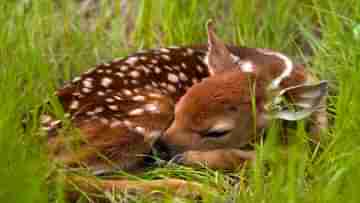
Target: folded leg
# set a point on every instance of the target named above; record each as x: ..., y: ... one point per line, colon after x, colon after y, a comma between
x: 216, y: 159
x: 95, y: 189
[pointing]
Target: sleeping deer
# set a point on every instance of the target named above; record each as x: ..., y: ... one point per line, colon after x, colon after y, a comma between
x: 225, y: 112
x: 200, y: 103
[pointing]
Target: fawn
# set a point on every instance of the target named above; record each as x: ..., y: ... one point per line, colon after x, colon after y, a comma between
x: 199, y: 103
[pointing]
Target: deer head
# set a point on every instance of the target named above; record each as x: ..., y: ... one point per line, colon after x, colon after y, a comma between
x: 227, y: 109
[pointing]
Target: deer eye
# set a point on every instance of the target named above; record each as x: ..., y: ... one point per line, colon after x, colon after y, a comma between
x: 215, y: 133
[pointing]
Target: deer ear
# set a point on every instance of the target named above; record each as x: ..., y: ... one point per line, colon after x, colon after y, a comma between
x: 219, y: 58
x: 298, y: 102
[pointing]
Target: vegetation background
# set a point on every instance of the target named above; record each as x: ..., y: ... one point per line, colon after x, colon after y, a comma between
x: 46, y: 42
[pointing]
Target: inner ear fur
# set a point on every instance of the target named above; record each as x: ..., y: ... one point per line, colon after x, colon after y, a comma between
x: 302, y: 101
x: 219, y: 57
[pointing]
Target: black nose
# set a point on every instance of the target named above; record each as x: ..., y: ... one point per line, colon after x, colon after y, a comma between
x: 161, y: 150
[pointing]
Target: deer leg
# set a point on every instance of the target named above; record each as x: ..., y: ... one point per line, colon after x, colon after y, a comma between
x: 216, y: 159
x: 319, y: 123
x: 96, y: 188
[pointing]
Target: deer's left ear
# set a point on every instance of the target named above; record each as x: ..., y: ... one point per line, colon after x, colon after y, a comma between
x: 298, y: 102
x: 219, y: 58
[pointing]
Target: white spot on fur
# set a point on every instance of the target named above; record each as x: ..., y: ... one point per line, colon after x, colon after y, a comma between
x: 127, y: 92
x: 168, y: 68
x: 136, y: 112
x: 99, y: 109
x: 138, y: 98
x: 113, y: 107
x: 246, y: 66
x: 134, y: 82
x: 90, y: 113
x: 140, y: 130
x: 118, y: 98
x: 145, y: 69
x: 100, y: 93
x: 131, y: 60
x: 88, y: 83
x: 206, y: 59
x: 155, y: 95
x: 166, y: 57
x: 165, y: 50
x: 199, y: 68
x: 99, y: 70
x: 124, y: 68
x: 106, y: 82
x: 171, y: 88
x: 76, y: 93
x: 108, y: 71
x: 183, y: 65
x: 157, y: 70
x: 190, y: 51
x: 154, y: 84
x: 148, y: 87
x: 110, y: 100
x: 86, y: 90
x: 173, y: 78
x: 153, y: 108
x: 154, y: 61
x: 134, y: 74
x: 74, y: 104
x: 120, y: 74
x: 183, y: 77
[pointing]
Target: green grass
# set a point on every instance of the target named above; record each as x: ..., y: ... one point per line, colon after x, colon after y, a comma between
x: 44, y: 42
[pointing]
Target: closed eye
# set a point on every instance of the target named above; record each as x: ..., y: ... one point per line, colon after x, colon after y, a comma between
x: 215, y: 133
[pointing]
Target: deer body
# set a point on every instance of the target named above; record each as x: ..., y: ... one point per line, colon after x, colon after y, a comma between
x: 127, y: 102
x: 201, y: 98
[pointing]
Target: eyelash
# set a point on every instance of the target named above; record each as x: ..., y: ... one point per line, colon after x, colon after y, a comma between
x: 215, y: 134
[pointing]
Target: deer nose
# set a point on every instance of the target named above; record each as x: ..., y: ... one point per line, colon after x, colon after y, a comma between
x: 161, y: 149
